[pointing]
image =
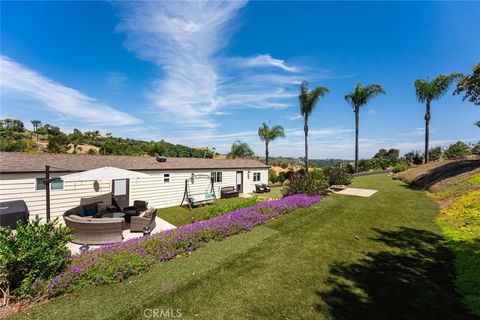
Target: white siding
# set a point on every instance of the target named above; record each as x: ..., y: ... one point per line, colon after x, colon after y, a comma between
x: 160, y: 194
x: 21, y: 186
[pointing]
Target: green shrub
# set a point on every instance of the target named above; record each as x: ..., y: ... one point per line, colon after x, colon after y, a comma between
x: 457, y: 150
x: 272, y: 176
x: 36, y: 250
x: 305, y: 184
x: 317, y: 174
x: 435, y: 153
x: 415, y: 157
x: 338, y: 175
x: 217, y: 209
x: 400, y: 167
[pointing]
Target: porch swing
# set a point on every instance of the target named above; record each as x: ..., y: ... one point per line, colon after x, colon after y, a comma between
x: 198, y: 198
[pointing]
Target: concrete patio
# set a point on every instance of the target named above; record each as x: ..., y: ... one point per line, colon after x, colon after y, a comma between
x: 162, y: 225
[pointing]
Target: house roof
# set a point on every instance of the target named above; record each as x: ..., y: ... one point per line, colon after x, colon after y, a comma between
x: 35, y: 162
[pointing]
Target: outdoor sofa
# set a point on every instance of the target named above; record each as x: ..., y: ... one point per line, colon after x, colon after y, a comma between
x: 88, y: 228
x: 228, y: 192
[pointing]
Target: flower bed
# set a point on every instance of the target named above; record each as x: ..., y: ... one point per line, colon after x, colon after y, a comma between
x: 116, y: 262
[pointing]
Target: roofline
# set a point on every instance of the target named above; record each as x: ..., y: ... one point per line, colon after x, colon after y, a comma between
x: 163, y: 169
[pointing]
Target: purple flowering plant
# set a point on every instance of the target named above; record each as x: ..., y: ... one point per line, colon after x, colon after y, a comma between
x: 115, y: 262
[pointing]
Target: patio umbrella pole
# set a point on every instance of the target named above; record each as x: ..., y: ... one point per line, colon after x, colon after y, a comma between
x: 47, y: 189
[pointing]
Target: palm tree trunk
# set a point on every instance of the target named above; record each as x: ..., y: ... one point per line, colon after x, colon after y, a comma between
x: 356, y: 140
x: 266, y: 152
x: 305, y: 128
x: 427, y: 130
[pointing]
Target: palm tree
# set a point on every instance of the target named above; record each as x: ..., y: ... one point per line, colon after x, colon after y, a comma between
x: 240, y: 150
x: 308, y: 100
x: 429, y: 91
x: 268, y: 134
x: 36, y: 124
x: 360, y: 97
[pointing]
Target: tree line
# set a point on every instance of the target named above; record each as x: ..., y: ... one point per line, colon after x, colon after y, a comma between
x: 14, y: 137
x: 426, y: 92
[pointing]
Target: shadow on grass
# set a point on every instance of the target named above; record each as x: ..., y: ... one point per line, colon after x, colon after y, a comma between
x: 445, y: 171
x: 414, y: 279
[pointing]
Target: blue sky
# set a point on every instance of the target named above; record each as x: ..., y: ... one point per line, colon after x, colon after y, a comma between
x: 209, y: 73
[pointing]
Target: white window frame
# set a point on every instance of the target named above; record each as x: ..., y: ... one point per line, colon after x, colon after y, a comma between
x: 39, y: 181
x: 257, y: 176
x: 166, y: 178
x: 217, y: 176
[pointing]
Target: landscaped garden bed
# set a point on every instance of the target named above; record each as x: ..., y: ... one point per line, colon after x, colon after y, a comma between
x: 116, y: 262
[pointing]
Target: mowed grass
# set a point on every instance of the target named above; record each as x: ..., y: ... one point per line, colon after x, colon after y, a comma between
x: 304, y: 265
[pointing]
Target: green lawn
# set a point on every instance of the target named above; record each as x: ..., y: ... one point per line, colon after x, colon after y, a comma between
x: 305, y: 265
x: 180, y: 216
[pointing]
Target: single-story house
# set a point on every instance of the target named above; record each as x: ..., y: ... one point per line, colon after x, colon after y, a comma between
x: 22, y: 176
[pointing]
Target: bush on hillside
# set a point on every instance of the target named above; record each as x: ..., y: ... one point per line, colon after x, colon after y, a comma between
x: 272, y: 176
x: 305, y: 184
x: 400, y: 167
x: 435, y: 153
x: 338, y: 176
x: 457, y: 150
x: 37, y: 250
x: 414, y: 157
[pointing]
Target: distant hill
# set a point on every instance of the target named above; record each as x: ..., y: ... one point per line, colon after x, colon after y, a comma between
x: 48, y: 138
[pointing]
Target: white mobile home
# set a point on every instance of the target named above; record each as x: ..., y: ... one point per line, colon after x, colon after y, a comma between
x: 22, y: 176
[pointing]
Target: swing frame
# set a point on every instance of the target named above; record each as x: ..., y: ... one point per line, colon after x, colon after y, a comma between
x: 187, y: 196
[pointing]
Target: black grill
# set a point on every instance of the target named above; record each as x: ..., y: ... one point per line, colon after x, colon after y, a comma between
x: 13, y: 211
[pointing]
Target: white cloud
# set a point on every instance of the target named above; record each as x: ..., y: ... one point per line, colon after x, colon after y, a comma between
x: 196, y: 82
x: 264, y: 60
x: 17, y: 80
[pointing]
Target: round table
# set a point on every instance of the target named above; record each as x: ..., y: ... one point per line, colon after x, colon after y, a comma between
x: 114, y: 215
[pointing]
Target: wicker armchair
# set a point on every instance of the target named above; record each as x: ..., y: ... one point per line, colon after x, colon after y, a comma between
x: 146, y: 219
x: 135, y: 210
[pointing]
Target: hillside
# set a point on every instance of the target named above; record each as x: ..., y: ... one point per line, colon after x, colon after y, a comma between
x: 48, y: 138
x: 455, y: 186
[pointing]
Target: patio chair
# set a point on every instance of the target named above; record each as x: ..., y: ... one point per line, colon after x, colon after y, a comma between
x: 146, y: 219
x: 265, y: 188
x: 135, y: 210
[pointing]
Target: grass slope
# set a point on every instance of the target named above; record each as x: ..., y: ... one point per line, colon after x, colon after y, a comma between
x: 305, y: 265
x: 455, y: 186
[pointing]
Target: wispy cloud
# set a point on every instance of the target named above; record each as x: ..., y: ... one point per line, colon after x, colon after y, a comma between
x: 197, y: 81
x: 19, y: 81
x: 264, y: 60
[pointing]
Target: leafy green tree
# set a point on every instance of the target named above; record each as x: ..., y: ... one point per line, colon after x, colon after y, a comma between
x: 268, y: 134
x: 360, y: 97
x: 470, y: 86
x: 457, y: 150
x: 13, y: 125
x: 428, y: 91
x: 308, y: 100
x: 58, y: 143
x: 435, y: 153
x: 240, y: 150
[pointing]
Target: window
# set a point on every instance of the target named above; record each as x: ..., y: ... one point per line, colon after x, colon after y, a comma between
x: 166, y: 177
x: 57, y: 184
x: 256, y: 176
x: 216, y: 176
